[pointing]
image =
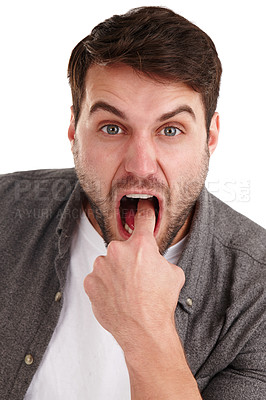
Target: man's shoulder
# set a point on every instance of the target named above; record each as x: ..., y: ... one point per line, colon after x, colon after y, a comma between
x: 237, y: 232
x: 30, y: 184
x: 40, y: 192
x: 37, y: 175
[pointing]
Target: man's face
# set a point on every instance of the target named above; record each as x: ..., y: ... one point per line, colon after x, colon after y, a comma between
x: 137, y: 137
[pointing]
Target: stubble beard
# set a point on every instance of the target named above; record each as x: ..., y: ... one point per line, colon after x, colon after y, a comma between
x: 177, y: 208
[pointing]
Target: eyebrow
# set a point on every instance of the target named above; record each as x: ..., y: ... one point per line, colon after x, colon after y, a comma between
x: 102, y: 105
x: 178, y: 110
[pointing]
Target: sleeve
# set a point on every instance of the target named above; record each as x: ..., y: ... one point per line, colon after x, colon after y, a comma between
x: 245, y: 377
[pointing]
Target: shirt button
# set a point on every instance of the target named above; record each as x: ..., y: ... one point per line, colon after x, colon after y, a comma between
x: 189, y: 302
x: 58, y: 296
x: 28, y: 359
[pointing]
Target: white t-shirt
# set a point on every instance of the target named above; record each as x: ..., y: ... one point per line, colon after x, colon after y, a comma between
x: 83, y: 361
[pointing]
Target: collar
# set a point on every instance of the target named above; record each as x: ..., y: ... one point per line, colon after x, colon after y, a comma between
x: 68, y: 218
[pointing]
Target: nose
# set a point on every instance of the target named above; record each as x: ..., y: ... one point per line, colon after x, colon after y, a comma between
x: 140, y: 157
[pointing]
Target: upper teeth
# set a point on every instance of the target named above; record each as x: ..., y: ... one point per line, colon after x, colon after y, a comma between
x: 139, y: 196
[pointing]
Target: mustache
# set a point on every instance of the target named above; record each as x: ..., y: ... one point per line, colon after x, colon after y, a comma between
x: 131, y: 182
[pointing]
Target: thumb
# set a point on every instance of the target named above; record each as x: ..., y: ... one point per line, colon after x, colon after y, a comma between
x: 144, y: 221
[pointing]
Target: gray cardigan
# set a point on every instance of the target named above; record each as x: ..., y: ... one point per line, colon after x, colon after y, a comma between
x: 220, y: 315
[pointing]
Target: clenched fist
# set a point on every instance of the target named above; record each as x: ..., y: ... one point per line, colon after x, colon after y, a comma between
x: 133, y: 289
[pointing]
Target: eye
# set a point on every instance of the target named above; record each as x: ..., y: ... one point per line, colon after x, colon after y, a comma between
x: 111, y: 129
x: 170, y: 131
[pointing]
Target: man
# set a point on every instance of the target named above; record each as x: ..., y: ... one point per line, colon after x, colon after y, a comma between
x: 175, y: 300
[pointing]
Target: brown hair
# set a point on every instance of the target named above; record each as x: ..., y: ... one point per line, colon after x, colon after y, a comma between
x: 155, y: 41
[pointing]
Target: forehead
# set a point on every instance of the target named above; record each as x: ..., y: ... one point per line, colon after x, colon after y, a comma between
x: 122, y: 86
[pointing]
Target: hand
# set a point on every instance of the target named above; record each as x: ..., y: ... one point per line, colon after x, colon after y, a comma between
x: 133, y: 289
x: 134, y: 292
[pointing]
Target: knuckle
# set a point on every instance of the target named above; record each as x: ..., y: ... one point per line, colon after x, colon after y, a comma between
x: 98, y: 261
x: 98, y: 264
x: 113, y: 247
x: 89, y: 284
x: 180, y: 275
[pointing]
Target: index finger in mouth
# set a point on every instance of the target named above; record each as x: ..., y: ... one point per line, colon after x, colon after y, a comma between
x: 145, y: 218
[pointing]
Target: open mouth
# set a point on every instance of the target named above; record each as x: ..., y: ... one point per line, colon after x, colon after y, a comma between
x: 128, y: 209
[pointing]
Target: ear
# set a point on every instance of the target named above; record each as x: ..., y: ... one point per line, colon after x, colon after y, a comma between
x: 214, y: 132
x: 71, y: 129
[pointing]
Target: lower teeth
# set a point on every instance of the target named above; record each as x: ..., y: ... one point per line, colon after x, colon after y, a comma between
x: 128, y: 229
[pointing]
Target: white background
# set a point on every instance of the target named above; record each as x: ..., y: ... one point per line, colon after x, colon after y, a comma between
x: 36, y: 42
